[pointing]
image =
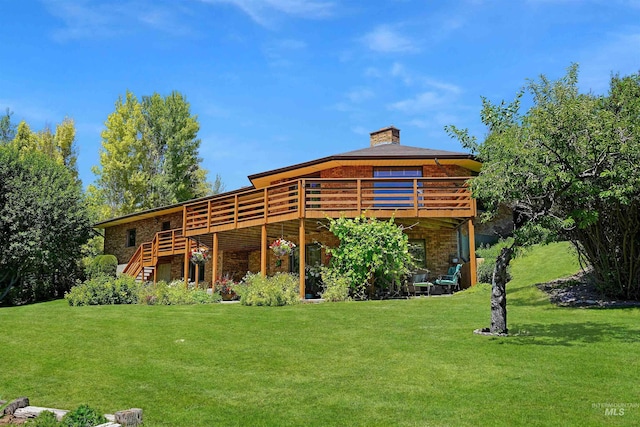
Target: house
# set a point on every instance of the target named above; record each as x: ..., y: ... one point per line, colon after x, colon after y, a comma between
x: 422, y: 188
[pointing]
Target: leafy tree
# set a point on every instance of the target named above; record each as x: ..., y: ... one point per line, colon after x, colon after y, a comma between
x: 149, y: 154
x: 59, y: 146
x: 43, y: 224
x: 368, y: 249
x: 569, y: 166
x: 7, y: 129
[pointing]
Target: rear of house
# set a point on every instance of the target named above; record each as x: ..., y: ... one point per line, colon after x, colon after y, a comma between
x: 423, y: 189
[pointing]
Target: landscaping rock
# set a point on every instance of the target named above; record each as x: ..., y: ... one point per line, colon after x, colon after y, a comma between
x: 579, y: 291
x: 34, y: 411
x: 15, y: 404
x: 130, y: 417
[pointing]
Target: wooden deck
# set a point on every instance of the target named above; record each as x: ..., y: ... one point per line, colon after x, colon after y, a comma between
x: 321, y: 198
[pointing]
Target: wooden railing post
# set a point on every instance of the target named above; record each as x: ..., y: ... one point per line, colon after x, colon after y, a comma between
x: 415, y: 196
x: 266, y: 204
x: 302, y: 198
x: 209, y: 216
x: 235, y: 212
x: 359, y: 196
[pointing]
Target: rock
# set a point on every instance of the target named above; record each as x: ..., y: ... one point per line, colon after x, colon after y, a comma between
x: 15, y: 404
x: 129, y: 417
x: 34, y: 411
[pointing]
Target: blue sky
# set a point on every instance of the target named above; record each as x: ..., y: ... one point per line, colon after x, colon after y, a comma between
x: 276, y: 82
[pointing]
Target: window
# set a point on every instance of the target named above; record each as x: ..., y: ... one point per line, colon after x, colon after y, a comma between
x: 418, y: 250
x: 166, y: 226
x: 131, y: 238
x: 392, y: 192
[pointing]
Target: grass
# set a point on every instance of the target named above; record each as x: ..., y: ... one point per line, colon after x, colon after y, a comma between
x: 406, y: 362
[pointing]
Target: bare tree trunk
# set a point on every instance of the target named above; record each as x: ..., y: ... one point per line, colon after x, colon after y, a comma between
x: 499, y: 292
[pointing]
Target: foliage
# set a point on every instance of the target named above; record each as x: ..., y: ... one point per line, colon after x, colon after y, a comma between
x: 43, y: 224
x: 104, y: 290
x: 199, y: 256
x: 102, y: 265
x: 224, y: 286
x: 282, y: 247
x: 174, y: 293
x: 83, y: 416
x: 59, y: 146
x: 368, y: 248
x: 490, y: 253
x: 570, y: 165
x: 7, y: 129
x: 335, y: 287
x: 338, y: 355
x: 279, y: 289
x: 45, y: 419
x: 149, y: 155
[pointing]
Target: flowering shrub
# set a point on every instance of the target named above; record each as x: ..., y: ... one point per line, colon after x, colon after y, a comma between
x: 199, y: 256
x: 225, y: 286
x: 280, y: 289
x: 281, y: 247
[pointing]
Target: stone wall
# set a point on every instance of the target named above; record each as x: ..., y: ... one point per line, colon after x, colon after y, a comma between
x: 115, y: 238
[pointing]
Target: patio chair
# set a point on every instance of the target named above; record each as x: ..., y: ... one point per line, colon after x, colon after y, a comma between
x: 419, y: 280
x: 451, y: 279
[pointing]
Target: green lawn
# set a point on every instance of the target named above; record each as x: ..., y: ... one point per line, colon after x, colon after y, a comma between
x: 405, y: 362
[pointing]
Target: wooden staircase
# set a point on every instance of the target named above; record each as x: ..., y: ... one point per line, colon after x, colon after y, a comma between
x: 145, y: 260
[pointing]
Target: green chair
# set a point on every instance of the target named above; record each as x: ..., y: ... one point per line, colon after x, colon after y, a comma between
x: 451, y: 279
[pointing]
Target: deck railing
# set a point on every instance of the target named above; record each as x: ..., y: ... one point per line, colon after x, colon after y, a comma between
x: 164, y: 243
x: 403, y: 197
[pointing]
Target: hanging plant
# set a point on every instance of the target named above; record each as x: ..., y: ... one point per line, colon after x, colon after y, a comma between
x: 199, y: 256
x: 282, y: 247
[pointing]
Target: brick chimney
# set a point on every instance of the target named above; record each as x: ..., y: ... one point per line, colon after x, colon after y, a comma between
x: 388, y: 135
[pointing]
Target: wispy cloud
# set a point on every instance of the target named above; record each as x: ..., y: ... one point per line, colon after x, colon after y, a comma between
x: 84, y: 19
x: 385, y: 39
x: 422, y: 102
x: 360, y: 94
x: 283, y: 53
x: 262, y: 11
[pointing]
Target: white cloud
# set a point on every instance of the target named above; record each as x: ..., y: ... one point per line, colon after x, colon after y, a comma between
x: 360, y: 95
x: 422, y: 102
x: 262, y: 11
x: 384, y: 39
x: 281, y: 52
x: 84, y: 19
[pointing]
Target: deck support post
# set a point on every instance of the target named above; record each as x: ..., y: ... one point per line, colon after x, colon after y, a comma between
x: 187, y: 250
x: 214, y: 262
x: 263, y: 251
x: 472, y: 253
x: 197, y: 275
x: 302, y: 252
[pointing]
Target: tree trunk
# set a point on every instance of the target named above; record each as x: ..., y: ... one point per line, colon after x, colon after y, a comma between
x: 499, y: 292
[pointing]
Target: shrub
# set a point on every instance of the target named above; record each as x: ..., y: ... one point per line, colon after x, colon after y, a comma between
x: 280, y: 289
x: 174, y: 293
x: 45, y: 419
x: 83, y: 416
x: 336, y: 288
x: 104, y: 290
x: 102, y: 265
x: 490, y: 253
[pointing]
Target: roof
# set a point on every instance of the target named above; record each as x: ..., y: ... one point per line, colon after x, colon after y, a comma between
x: 381, y: 151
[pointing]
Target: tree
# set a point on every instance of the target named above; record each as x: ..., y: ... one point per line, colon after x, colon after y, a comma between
x: 59, y: 146
x: 368, y: 249
x: 7, y: 129
x: 150, y: 155
x: 43, y: 224
x: 569, y: 166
